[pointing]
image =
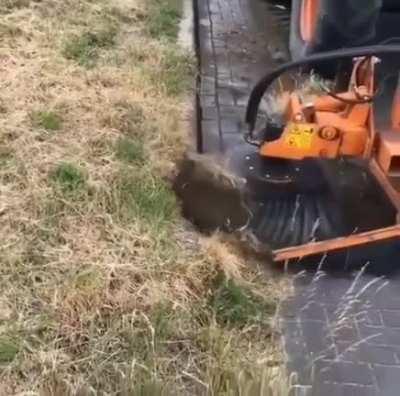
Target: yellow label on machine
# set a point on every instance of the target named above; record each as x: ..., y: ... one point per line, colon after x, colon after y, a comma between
x: 300, y: 135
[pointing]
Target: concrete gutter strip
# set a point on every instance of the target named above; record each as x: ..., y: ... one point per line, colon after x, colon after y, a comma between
x: 188, y: 40
x: 186, y: 37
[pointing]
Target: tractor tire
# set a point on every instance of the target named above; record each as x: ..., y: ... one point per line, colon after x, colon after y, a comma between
x: 345, y: 23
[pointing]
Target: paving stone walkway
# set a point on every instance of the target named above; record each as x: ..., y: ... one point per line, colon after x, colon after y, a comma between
x: 235, y: 52
x: 341, y: 331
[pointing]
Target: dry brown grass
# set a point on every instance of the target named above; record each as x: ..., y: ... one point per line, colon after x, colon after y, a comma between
x: 103, y: 289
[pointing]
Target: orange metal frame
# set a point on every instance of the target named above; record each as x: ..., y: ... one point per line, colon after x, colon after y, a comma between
x: 341, y: 126
x: 330, y: 126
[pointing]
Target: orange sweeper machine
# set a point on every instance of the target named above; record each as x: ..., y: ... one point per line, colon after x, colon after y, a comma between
x: 331, y: 176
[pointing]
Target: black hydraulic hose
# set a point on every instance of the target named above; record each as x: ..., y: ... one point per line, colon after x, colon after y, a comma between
x: 262, y: 86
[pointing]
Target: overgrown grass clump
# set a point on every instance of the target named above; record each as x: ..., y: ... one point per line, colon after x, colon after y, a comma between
x: 236, y: 305
x: 84, y: 48
x: 48, y: 120
x: 144, y: 196
x: 163, y: 19
x: 130, y: 151
x: 68, y: 177
x: 9, y: 349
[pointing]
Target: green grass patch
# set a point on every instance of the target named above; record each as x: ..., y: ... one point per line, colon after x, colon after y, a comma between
x: 68, y: 177
x: 143, y: 197
x: 237, y: 306
x: 84, y: 49
x: 162, y: 321
x: 151, y: 199
x: 48, y: 120
x: 164, y: 18
x: 9, y: 349
x: 130, y: 151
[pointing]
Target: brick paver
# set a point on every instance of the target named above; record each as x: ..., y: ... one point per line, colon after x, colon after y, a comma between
x: 234, y: 54
x: 341, y: 333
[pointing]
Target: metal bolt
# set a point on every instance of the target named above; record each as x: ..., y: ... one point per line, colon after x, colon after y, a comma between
x: 267, y: 175
x: 251, y: 168
x: 247, y: 157
x: 298, y: 117
x: 297, y: 169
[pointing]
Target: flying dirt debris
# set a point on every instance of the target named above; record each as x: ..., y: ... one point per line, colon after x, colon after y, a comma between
x: 211, y: 196
x: 326, y: 177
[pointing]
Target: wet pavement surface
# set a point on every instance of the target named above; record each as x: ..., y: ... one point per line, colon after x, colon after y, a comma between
x: 341, y: 328
x: 235, y: 52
